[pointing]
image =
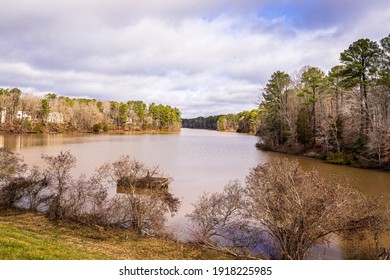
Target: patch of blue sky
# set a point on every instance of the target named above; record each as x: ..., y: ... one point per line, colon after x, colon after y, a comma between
x: 304, y: 14
x: 274, y: 11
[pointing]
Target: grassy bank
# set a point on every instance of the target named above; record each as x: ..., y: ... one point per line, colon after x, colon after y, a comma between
x: 30, y: 236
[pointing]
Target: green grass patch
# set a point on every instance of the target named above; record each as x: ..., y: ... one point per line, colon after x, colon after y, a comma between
x: 16, y: 244
x: 31, y: 236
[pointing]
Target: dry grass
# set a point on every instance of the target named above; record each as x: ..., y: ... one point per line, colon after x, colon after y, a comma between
x: 26, y: 235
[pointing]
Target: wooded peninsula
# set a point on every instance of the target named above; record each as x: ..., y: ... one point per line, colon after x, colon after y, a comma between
x: 342, y: 116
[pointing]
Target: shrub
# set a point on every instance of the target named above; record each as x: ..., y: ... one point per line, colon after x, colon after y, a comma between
x: 290, y: 209
x: 339, y: 158
x: 97, y: 127
x: 38, y: 127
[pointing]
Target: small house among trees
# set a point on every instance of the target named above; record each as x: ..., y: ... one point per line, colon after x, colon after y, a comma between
x: 21, y: 115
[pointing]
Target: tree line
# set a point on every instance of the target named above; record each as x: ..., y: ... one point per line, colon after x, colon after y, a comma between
x: 209, y: 122
x: 243, y: 122
x: 342, y: 116
x: 282, y: 212
x: 52, y: 113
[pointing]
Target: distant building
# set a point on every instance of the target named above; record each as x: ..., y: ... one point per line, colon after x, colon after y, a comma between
x: 21, y: 115
x: 55, y: 117
x: 3, y: 114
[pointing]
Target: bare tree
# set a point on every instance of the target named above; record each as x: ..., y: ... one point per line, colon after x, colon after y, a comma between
x: 299, y: 209
x: 370, y: 242
x: 29, y: 104
x: 58, y: 174
x: 11, y: 165
x: 219, y: 221
x: 19, y: 185
x: 145, y: 206
x: 29, y: 191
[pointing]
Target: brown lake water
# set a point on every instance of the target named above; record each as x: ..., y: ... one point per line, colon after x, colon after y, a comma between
x: 197, y: 160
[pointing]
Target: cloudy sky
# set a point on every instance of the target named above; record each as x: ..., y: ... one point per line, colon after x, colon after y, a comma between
x: 204, y: 56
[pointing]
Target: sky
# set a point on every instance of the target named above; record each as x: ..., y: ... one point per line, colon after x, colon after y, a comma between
x: 206, y: 57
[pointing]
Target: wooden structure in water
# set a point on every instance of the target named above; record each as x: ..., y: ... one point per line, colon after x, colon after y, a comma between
x: 126, y: 183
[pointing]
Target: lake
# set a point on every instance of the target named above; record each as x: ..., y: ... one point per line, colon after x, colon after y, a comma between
x: 198, y: 161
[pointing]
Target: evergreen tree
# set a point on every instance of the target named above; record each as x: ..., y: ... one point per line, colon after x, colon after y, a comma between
x: 361, y: 61
x: 45, y: 109
x: 313, y: 81
x: 275, y: 103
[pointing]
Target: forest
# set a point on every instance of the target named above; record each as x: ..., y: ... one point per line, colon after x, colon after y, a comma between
x: 27, y: 113
x: 342, y: 116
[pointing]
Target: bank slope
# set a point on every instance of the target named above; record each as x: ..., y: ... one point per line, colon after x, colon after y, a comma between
x: 30, y: 236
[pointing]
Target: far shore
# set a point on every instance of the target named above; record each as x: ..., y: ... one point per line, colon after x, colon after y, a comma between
x: 121, y: 131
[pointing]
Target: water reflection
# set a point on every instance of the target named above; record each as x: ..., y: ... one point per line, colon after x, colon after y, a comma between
x: 18, y: 142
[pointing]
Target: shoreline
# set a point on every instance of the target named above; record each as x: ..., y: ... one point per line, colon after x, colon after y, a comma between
x: 229, y: 130
x: 317, y: 156
x: 2, y: 132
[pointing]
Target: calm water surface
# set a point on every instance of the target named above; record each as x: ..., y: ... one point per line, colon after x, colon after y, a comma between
x: 198, y: 160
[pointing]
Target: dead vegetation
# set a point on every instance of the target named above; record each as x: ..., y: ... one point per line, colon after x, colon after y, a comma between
x: 86, y: 200
x: 283, y: 212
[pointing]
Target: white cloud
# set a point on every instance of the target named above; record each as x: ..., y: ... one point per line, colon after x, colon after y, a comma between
x: 205, y: 57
